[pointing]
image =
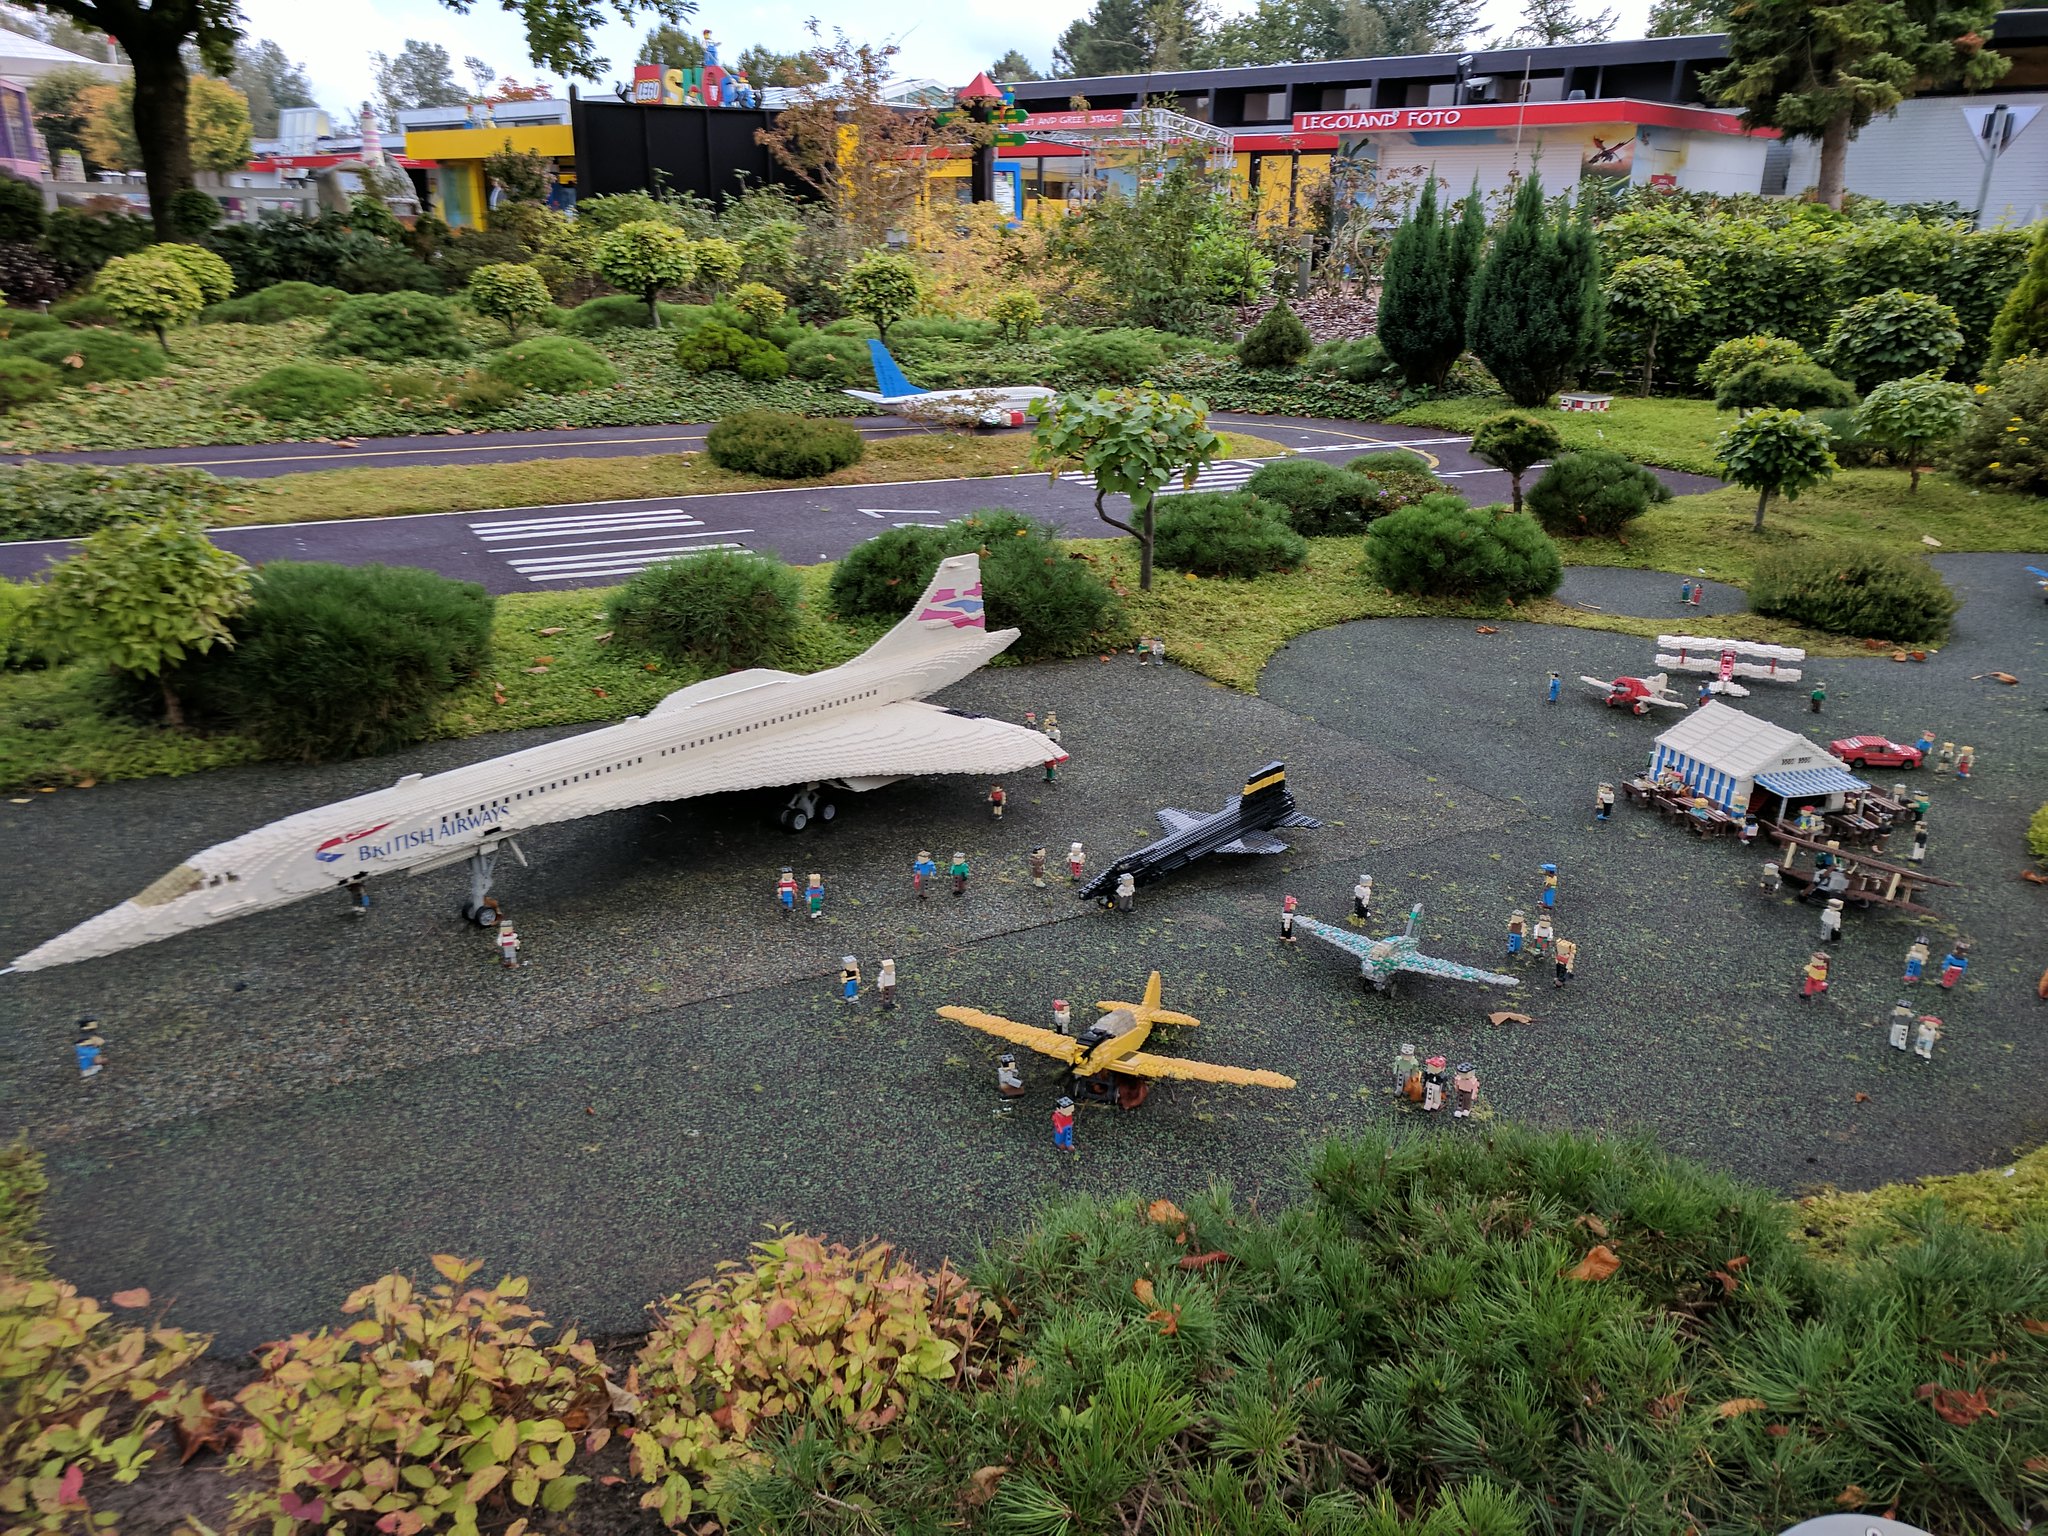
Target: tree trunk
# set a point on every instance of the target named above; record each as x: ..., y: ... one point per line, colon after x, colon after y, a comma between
x: 174, y: 707
x: 1650, y: 365
x: 161, y: 91
x: 1515, y: 480
x: 653, y: 308
x: 1761, y: 502
x: 1914, y: 484
x: 1145, y: 548
x: 1834, y: 162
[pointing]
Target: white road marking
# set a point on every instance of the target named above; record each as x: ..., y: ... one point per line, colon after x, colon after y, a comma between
x: 623, y: 565
x: 582, y: 522
x: 541, y: 562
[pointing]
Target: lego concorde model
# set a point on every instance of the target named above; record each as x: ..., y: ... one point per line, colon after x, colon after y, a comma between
x: 859, y: 725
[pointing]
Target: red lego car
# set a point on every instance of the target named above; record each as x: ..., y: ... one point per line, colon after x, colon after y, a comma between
x: 1876, y: 752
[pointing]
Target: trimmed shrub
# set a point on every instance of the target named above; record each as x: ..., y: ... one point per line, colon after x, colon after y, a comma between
x: 1892, y: 335
x: 1279, y: 340
x: 379, y: 268
x: 26, y: 322
x: 714, y: 347
x: 294, y: 390
x: 880, y: 286
x: 761, y: 305
x: 781, y: 445
x: 1800, y: 386
x: 833, y: 359
x: 613, y: 312
x: 1108, y: 357
x: 1226, y: 534
x: 193, y: 213
x: 91, y: 357
x: 1362, y: 360
x: 1861, y: 590
x: 882, y: 576
x: 1441, y: 547
x: 1741, y: 351
x: 19, y: 649
x: 343, y: 660
x: 150, y: 290
x: 2021, y: 329
x: 214, y: 278
x: 1915, y: 418
x: 1517, y: 444
x: 1594, y: 493
x: 2005, y: 441
x: 510, y: 291
x: 23, y: 381
x: 1402, y: 477
x: 722, y: 609
x: 854, y: 325
x: 1016, y: 314
x: 85, y: 309
x: 553, y: 365
x: 1319, y: 498
x: 69, y: 501
x: 479, y: 394
x: 278, y: 302
x: 393, y: 327
x: 22, y: 215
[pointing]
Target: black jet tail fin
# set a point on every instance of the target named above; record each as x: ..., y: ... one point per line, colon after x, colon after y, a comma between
x: 1267, y: 787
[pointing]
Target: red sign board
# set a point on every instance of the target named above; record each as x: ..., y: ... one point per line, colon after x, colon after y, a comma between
x: 1535, y: 114
x: 1092, y: 119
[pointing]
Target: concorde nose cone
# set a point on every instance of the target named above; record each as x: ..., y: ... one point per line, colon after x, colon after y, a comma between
x: 117, y: 928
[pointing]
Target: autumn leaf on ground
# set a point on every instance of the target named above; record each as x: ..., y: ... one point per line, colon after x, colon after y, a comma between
x: 2034, y: 1325
x: 1204, y: 1260
x: 1142, y: 1289
x: 1168, y: 1320
x: 1852, y: 1495
x: 139, y: 1297
x: 981, y: 1487
x: 1667, y: 1407
x: 1592, y: 1224
x: 1736, y: 1406
x: 1954, y: 1404
x: 1166, y: 1213
x: 1727, y: 1282
x: 1599, y: 1264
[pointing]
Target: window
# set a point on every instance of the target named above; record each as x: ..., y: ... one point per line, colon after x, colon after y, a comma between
x: 1265, y: 106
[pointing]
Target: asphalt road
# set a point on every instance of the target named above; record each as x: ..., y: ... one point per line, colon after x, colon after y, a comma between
x: 543, y: 548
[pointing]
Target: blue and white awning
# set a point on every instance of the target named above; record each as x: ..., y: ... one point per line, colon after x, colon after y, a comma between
x: 1716, y: 784
x: 1811, y: 783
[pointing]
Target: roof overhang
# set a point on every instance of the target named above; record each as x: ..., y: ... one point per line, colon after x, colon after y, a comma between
x: 1622, y: 110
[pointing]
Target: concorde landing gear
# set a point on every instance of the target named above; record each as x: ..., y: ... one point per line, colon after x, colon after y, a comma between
x: 481, y: 907
x: 812, y: 803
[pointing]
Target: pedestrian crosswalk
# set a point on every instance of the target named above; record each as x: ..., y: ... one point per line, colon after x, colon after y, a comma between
x: 590, y: 545
x: 1220, y: 475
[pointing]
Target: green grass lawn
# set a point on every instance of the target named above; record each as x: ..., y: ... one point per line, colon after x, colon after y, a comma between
x: 1672, y: 431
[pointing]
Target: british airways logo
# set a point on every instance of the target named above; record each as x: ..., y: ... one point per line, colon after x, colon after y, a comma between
x: 329, y: 852
x: 962, y: 609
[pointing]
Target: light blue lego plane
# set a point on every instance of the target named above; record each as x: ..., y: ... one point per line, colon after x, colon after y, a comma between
x: 1000, y: 406
x: 1380, y: 961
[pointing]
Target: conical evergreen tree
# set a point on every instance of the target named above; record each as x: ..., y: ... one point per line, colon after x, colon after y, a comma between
x: 1580, y: 250
x: 2022, y: 325
x: 1536, y: 304
x: 1420, y: 325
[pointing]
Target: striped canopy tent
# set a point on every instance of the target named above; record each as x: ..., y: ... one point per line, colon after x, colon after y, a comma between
x: 1729, y: 756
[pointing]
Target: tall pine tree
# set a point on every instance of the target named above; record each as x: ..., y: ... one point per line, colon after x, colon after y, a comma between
x: 1537, y: 317
x: 1426, y: 287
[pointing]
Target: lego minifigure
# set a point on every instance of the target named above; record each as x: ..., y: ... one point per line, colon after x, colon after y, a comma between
x: 1699, y: 590
x: 1924, y: 742
x: 1946, y: 759
x: 849, y: 978
x: 1543, y: 936
x: 959, y: 871
x: 885, y: 985
x: 1603, y: 801
x: 1036, y: 860
x: 1077, y: 860
x: 1916, y: 959
x: 359, y: 890
x: 1925, y: 1035
x: 996, y: 800
x: 1062, y: 1017
x: 1685, y: 589
x: 1824, y: 858
x: 1009, y: 1084
x: 1920, y: 804
x: 1966, y: 759
x: 1466, y: 1086
x: 814, y: 895
x: 1555, y: 689
x: 1771, y: 881
x: 1807, y: 822
x: 1818, y: 697
x: 1143, y: 649
x: 89, y: 1048
x: 1704, y: 697
x: 785, y: 891
x: 1158, y: 652
x: 1031, y: 719
x: 1052, y: 770
x: 1902, y: 1025
x: 1126, y: 891
x: 924, y: 869
x: 1052, y: 727
x: 508, y: 947
x: 1814, y: 979
x: 1919, y: 850
x: 1567, y: 960
x: 1063, y: 1124
x: 1953, y: 964
x: 1746, y: 833
x: 1433, y: 1084
x: 1361, y: 899
x: 1406, y: 1065
x: 1550, y: 885
x: 1518, y: 925
x: 1287, y: 905
x: 1831, y: 921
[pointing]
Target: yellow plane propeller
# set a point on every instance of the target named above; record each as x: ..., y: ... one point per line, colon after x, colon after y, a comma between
x: 1130, y: 1025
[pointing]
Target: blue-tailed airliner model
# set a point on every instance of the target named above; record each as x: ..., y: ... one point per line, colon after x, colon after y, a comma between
x: 855, y: 727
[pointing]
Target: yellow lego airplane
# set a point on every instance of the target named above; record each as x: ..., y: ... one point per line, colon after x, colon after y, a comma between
x: 1107, y: 1059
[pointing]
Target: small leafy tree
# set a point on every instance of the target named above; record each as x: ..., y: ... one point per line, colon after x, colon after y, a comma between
x: 1892, y: 335
x: 719, y: 262
x: 1800, y: 386
x: 1517, y: 444
x: 1536, y: 306
x: 139, y: 597
x: 149, y: 290
x: 2021, y: 329
x: 644, y: 257
x: 1016, y: 314
x: 1776, y: 453
x: 214, y: 277
x: 881, y: 287
x: 1279, y: 340
x: 1740, y: 351
x: 511, y: 291
x: 761, y: 305
x: 1647, y: 295
x: 1918, y: 417
x: 1133, y: 441
x: 1426, y: 288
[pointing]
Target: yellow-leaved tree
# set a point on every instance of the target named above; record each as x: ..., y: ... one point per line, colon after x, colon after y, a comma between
x: 216, y: 118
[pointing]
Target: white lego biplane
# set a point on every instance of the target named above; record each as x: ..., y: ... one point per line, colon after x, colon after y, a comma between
x: 1730, y: 659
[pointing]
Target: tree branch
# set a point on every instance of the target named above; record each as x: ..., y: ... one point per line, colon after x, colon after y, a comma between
x: 1126, y: 527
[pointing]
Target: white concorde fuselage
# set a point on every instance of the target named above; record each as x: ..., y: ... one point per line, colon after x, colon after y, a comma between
x: 749, y: 730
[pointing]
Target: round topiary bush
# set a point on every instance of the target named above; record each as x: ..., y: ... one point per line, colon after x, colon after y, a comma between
x: 781, y: 445
x: 613, y: 312
x: 1855, y: 589
x: 23, y: 381
x: 511, y: 291
x: 294, y: 390
x: 1108, y: 357
x: 1800, y: 386
x: 1892, y: 335
x: 1441, y: 547
x: 393, y: 327
x: 91, y: 357
x: 834, y: 360
x: 722, y: 609
x: 339, y: 661
x: 553, y: 365
x: 1216, y: 533
x: 1320, y: 499
x: 858, y: 326
x: 761, y: 305
x: 713, y: 347
x: 1279, y: 340
x: 27, y: 322
x: 214, y: 278
x: 1594, y: 493
x: 1401, y: 477
x: 1741, y: 351
x: 278, y: 302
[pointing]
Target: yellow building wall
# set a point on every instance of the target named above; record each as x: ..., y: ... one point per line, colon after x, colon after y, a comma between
x: 461, y: 152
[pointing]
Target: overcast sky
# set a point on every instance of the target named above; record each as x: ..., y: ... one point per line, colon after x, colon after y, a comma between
x: 947, y: 39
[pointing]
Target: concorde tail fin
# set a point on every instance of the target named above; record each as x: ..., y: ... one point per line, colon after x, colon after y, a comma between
x: 950, y: 608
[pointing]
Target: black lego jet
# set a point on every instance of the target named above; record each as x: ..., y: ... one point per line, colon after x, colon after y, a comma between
x: 1244, y: 825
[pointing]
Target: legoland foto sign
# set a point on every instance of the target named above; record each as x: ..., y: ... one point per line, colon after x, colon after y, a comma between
x: 1391, y: 120
x: 1534, y: 114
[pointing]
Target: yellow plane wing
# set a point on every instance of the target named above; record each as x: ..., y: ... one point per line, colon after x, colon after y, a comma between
x: 1047, y: 1042
x: 1144, y: 1064
x: 1148, y: 1011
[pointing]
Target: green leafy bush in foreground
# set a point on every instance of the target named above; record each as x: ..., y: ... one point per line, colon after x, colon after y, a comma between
x: 1594, y: 493
x: 90, y: 357
x: 1320, y: 498
x: 340, y: 661
x: 725, y: 608
x: 23, y: 381
x: 395, y: 327
x: 553, y: 365
x: 782, y: 446
x: 272, y: 305
x: 1854, y: 590
x: 291, y: 391
x: 68, y: 501
x: 1215, y: 533
x: 1441, y: 547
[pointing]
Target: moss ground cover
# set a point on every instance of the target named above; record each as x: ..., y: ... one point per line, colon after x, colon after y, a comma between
x: 1676, y: 433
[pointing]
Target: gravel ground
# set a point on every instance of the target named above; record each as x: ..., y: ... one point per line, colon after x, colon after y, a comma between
x: 1646, y: 594
x: 674, y: 1070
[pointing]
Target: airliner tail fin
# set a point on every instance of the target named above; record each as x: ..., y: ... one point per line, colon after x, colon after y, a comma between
x: 889, y: 378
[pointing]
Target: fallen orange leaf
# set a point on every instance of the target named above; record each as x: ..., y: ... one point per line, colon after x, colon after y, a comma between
x: 1736, y: 1406
x: 1204, y: 1260
x: 981, y: 1487
x: 1598, y: 1264
x: 1142, y: 1289
x: 2034, y: 1325
x: 1165, y: 1212
x: 1592, y: 1224
x: 1852, y: 1495
x: 1168, y: 1321
x: 139, y: 1297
